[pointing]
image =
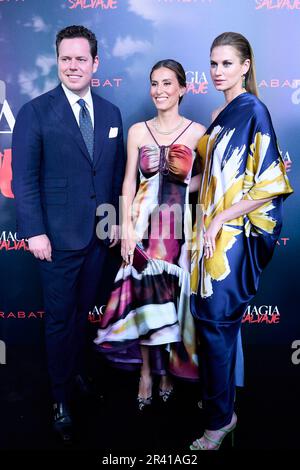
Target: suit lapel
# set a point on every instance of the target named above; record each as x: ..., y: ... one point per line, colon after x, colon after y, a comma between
x: 62, y: 108
x: 100, y: 130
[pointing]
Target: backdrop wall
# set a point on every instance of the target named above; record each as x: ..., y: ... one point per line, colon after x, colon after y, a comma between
x: 133, y: 35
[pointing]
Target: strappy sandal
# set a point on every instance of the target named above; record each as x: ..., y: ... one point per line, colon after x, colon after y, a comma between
x: 165, y: 394
x: 200, y: 445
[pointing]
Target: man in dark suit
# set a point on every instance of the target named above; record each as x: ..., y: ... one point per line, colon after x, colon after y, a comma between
x: 68, y: 158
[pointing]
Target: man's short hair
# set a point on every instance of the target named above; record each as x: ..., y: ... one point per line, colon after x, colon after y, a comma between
x: 77, y: 31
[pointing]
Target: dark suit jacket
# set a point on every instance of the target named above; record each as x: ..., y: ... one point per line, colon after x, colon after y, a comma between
x: 56, y: 185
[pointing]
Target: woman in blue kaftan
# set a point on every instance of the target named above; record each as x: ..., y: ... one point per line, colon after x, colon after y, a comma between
x: 242, y: 190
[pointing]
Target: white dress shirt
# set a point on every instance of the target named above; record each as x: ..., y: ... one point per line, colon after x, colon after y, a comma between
x: 73, y: 100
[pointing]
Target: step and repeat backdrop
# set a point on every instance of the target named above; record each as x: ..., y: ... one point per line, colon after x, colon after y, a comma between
x: 133, y: 35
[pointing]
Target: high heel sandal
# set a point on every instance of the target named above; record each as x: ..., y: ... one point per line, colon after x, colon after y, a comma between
x: 143, y: 402
x: 166, y: 394
x: 226, y: 431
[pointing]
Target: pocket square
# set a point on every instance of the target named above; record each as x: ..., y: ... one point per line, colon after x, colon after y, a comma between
x: 113, y: 132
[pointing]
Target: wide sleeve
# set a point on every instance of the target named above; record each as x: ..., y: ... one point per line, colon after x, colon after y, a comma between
x: 265, y: 172
x: 201, y: 154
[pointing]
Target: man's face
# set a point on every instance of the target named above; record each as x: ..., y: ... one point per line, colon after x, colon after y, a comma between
x: 76, y: 65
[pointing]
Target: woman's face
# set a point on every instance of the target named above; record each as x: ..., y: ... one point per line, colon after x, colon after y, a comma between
x: 165, y: 89
x: 226, y: 69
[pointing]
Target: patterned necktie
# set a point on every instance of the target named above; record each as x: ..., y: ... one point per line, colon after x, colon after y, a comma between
x: 86, y: 127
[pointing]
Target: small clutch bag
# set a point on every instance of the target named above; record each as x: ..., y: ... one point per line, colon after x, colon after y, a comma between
x: 140, y: 259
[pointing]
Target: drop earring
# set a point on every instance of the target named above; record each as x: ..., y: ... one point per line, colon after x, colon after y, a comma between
x: 244, y: 81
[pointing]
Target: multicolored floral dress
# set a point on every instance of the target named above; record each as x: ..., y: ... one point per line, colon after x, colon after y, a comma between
x: 151, y: 308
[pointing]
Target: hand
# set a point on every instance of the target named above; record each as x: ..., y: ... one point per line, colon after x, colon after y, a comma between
x: 210, y: 237
x: 114, y: 235
x: 40, y: 247
x: 128, y: 245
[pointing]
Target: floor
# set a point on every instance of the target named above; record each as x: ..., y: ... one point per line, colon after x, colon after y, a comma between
x: 267, y: 409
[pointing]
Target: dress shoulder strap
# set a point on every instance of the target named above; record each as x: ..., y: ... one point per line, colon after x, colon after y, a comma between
x: 152, y: 134
x: 181, y: 133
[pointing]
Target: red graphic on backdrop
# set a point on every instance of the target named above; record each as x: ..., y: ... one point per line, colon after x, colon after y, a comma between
x: 95, y: 315
x: 278, y: 83
x: 22, y: 315
x: 9, y: 241
x: 6, y: 173
x: 278, y: 4
x: 266, y: 314
x: 113, y: 82
x: 15, y: 245
x: 196, y: 82
x: 282, y: 241
x: 197, y: 88
x: 287, y: 161
x: 103, y: 4
x: 185, y: 1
